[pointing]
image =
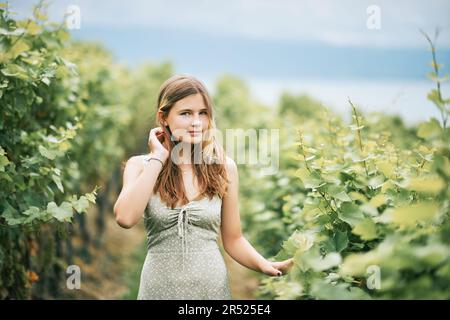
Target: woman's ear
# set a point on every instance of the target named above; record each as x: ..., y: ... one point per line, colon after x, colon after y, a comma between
x: 159, y: 117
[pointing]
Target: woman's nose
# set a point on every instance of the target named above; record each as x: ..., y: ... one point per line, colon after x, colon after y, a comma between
x: 196, y: 121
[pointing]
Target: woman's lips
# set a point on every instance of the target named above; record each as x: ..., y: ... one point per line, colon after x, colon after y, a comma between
x: 195, y: 133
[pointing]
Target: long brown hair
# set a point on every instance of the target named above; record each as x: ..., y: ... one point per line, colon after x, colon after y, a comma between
x: 211, y: 172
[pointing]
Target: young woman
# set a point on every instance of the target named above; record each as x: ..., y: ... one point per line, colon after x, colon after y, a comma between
x: 186, y: 189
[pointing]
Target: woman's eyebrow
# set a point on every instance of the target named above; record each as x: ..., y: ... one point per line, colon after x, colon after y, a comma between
x: 190, y: 109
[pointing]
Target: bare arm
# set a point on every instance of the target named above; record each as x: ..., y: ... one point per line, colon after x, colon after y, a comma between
x: 138, y: 182
x: 234, y: 242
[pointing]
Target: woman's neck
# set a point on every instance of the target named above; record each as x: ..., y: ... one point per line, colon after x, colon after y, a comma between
x: 184, y: 160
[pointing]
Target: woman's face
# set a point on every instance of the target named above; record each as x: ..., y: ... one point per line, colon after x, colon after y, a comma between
x: 188, y: 119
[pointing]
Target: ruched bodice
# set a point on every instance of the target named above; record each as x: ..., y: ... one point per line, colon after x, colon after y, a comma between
x: 191, y: 227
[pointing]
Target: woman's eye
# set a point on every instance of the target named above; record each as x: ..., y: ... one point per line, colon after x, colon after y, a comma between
x: 185, y: 113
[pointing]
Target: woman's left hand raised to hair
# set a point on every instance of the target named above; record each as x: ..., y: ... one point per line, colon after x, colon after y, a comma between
x: 277, y: 268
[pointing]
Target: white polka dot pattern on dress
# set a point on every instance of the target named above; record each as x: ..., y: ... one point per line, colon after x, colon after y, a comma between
x: 183, y: 259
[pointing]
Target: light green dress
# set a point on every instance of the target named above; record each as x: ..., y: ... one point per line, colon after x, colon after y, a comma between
x: 183, y: 259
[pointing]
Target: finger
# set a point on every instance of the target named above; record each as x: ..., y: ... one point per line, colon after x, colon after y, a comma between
x: 278, y: 265
x: 287, y: 263
x: 275, y: 272
x: 282, y: 266
x: 153, y: 132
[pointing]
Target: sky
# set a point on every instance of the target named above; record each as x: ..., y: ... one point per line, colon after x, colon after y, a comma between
x: 341, y: 23
x: 266, y: 39
x: 276, y: 44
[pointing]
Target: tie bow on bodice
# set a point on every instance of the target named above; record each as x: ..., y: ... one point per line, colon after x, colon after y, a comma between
x: 192, y: 228
x: 184, y: 216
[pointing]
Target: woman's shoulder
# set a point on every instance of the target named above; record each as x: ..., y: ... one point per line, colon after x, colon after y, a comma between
x: 231, y: 166
x: 230, y: 163
x: 230, y: 160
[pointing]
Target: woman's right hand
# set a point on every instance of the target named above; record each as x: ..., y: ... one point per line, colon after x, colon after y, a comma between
x: 156, y: 139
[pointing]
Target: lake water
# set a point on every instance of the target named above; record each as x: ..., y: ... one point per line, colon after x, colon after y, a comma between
x: 407, y: 98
